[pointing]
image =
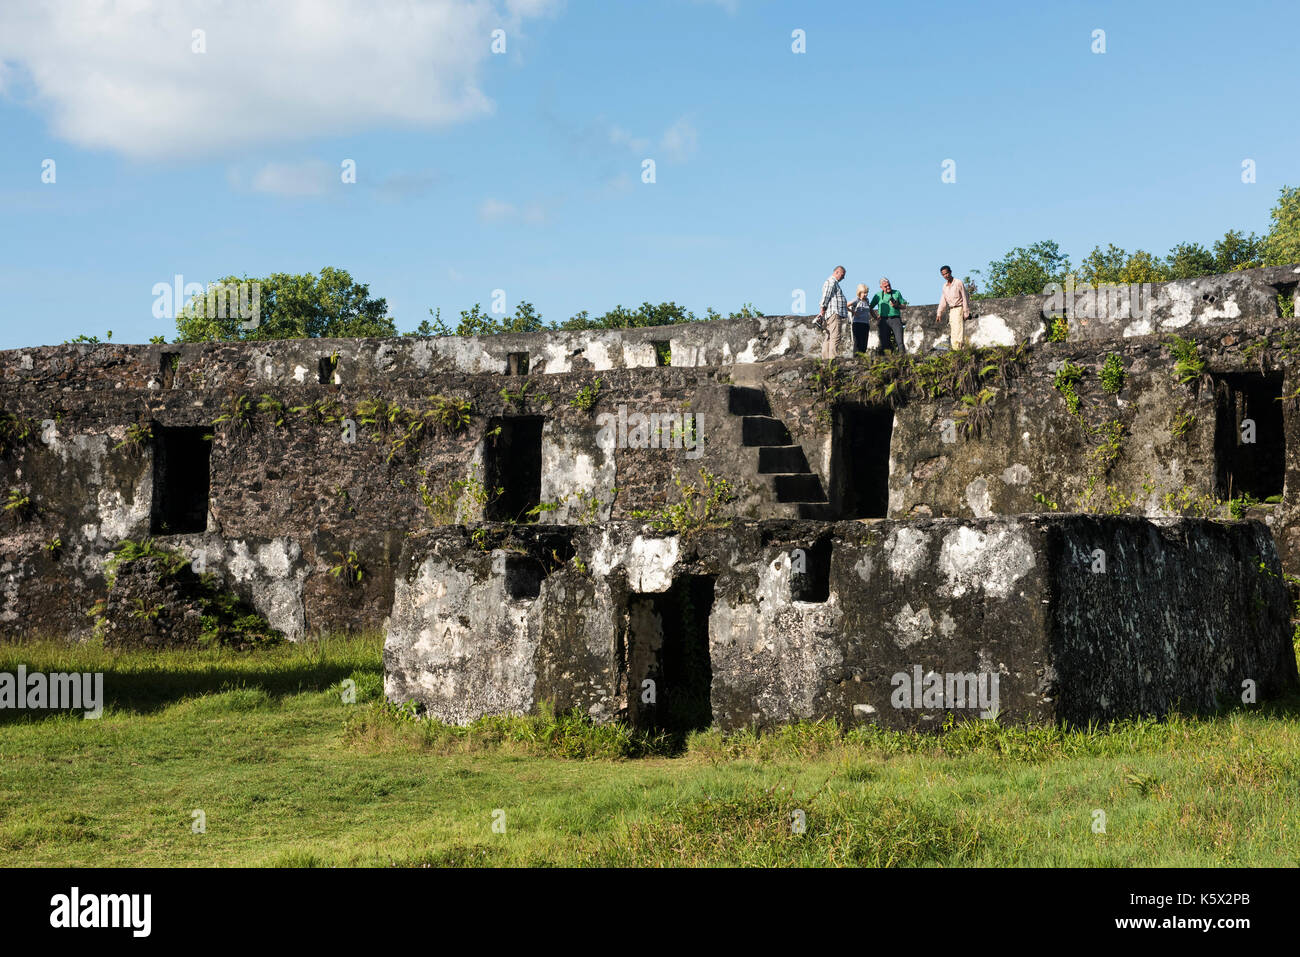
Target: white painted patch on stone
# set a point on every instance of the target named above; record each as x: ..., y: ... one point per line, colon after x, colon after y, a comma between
x: 650, y: 563
x: 912, y: 626
x: 992, y: 330
x: 907, y: 548
x: 978, y: 498
x: 993, y: 561
x: 1017, y: 474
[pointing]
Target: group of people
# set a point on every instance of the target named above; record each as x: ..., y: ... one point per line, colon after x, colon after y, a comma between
x: 886, y: 308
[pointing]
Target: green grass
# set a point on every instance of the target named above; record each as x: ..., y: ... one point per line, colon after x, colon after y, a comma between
x: 288, y: 774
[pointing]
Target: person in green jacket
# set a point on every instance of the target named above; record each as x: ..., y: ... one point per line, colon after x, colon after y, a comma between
x: 888, y: 305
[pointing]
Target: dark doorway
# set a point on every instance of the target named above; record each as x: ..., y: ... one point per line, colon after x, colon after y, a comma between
x: 668, y: 644
x: 1249, y: 435
x: 860, y: 460
x: 181, y: 480
x: 514, y: 464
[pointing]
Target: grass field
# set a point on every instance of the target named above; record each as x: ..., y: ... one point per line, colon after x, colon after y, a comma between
x: 286, y: 773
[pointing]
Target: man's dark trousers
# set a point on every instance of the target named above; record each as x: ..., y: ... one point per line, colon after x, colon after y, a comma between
x: 887, y: 328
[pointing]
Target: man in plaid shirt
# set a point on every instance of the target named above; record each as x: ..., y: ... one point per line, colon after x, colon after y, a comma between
x: 832, y: 301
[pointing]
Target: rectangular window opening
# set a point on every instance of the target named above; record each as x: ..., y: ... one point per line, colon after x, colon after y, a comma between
x: 514, y: 464
x: 1249, y: 435
x: 181, y: 480
x: 810, y: 572
x: 517, y: 363
x: 167, y: 366
x: 663, y: 352
x: 523, y: 577
x: 328, y: 368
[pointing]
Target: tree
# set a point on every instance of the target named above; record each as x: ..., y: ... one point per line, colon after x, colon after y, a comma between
x: 647, y: 314
x: 1103, y: 267
x: 1236, y: 250
x: 290, y: 306
x: 1026, y: 272
x: 1141, y: 267
x: 1281, y: 246
x: 1187, y: 260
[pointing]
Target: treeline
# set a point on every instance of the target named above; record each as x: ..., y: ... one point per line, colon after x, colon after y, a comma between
x: 1026, y: 270
x: 475, y: 322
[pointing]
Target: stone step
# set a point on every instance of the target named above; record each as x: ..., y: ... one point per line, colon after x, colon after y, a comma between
x: 743, y: 400
x: 800, y: 488
x: 764, y: 430
x: 782, y: 458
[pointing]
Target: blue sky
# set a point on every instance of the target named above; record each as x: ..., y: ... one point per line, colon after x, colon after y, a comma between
x: 522, y: 171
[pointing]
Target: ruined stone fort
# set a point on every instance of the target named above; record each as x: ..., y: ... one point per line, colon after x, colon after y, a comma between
x: 700, y: 524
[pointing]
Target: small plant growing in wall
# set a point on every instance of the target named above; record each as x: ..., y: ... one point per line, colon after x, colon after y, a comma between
x: 698, y: 508
x: 54, y: 547
x: 1112, y: 374
x: 1058, y: 329
x: 15, y: 430
x: 1189, y: 365
x: 1183, y: 423
x: 519, y: 397
x: 587, y: 397
x: 272, y: 408
x: 19, y: 504
x: 1046, y: 502
x: 349, y: 570
x: 543, y: 508
x: 137, y: 437
x: 1239, y: 506
x: 460, y: 501
x: 976, y: 411
x: 1067, y: 379
x: 590, y: 504
x: 238, y: 414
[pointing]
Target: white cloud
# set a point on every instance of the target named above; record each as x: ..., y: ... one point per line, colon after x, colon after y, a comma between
x: 498, y: 211
x: 123, y: 77
x: 311, y: 177
x: 621, y: 137
x: 679, y: 141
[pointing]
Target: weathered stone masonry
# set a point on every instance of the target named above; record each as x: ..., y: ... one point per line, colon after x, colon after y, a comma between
x: 116, y: 437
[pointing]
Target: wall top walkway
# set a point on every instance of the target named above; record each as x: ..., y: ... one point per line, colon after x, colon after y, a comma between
x: 1182, y: 306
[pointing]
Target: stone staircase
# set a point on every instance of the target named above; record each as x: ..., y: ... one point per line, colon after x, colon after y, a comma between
x: 779, y: 461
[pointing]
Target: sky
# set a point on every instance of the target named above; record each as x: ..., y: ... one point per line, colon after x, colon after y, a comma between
x: 485, y: 176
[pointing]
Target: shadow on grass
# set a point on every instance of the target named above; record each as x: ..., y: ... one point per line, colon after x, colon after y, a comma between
x: 150, y: 689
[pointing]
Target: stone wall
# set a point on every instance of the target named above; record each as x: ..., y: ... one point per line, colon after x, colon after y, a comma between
x: 1062, y: 618
x: 289, y: 499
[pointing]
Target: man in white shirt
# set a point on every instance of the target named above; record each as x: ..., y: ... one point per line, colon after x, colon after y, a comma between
x: 954, y: 301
